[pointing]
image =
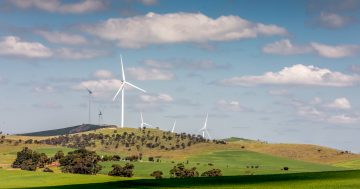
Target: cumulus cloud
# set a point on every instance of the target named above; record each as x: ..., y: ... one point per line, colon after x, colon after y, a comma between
x: 333, y: 20
x: 141, y: 73
x: 285, y: 47
x: 99, y: 86
x: 159, y: 98
x: 338, y: 51
x: 296, y: 75
x: 103, y: 74
x: 317, y: 111
x: 229, y: 106
x: 62, y: 38
x: 56, y: 6
x: 14, y: 46
x: 340, y: 103
x: 152, y: 28
x: 78, y: 54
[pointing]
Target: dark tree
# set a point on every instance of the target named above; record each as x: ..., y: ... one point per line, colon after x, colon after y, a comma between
x: 157, y: 174
x: 179, y: 171
x: 80, y: 162
x: 212, y: 173
x: 118, y: 170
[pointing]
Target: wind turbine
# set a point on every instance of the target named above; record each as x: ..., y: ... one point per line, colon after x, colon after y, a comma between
x: 122, y: 89
x: 100, y: 116
x: 204, y: 129
x: 142, y: 121
x: 90, y: 96
x: 173, y: 128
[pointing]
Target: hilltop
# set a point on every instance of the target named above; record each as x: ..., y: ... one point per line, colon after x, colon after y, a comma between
x: 68, y: 130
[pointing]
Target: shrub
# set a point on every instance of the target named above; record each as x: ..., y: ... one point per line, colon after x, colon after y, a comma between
x: 286, y: 168
x: 80, y: 162
x: 118, y: 170
x: 29, y: 160
x: 151, y: 159
x: 212, y: 173
x: 28, y: 165
x: 179, y: 171
x: 157, y: 174
x: 59, y: 154
x: 48, y: 170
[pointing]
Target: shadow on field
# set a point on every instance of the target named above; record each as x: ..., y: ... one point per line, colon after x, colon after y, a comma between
x: 214, y: 182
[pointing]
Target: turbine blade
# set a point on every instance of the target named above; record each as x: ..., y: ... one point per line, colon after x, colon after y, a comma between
x: 207, y: 115
x: 208, y: 134
x: 138, y: 88
x: 142, y: 120
x: 122, y: 68
x: 117, y: 93
x: 173, y: 129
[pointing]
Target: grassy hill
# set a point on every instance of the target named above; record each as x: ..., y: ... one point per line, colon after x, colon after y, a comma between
x: 67, y: 130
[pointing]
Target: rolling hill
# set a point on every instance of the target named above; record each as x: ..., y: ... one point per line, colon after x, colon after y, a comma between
x: 67, y: 130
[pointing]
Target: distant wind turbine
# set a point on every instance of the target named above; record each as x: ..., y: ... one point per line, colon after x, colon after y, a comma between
x: 122, y: 89
x: 143, y: 123
x: 100, y: 117
x: 173, y: 128
x: 204, y: 128
x: 90, y: 98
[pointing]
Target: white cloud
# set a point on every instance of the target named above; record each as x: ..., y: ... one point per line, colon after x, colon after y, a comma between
x: 296, y: 75
x: 56, y: 6
x: 152, y: 28
x: 333, y: 20
x: 338, y: 51
x: 73, y: 54
x: 285, y: 47
x: 141, y: 73
x: 103, y: 74
x: 14, y: 46
x: 159, y: 98
x: 184, y: 64
x: 343, y: 119
x: 62, y: 38
x: 340, y: 103
x: 44, y: 89
x: 230, y: 106
x: 99, y: 86
x: 314, y: 111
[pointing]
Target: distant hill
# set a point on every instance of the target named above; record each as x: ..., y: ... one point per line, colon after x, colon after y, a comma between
x: 67, y: 130
x: 235, y: 139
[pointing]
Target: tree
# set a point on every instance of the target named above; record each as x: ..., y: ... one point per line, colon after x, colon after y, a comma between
x: 48, y: 170
x: 118, y: 170
x: 157, y: 174
x: 29, y: 160
x: 179, y: 171
x: 212, y: 173
x: 81, y: 161
x: 59, y: 154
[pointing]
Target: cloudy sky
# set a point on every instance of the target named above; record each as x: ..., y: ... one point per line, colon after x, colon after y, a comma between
x: 280, y: 71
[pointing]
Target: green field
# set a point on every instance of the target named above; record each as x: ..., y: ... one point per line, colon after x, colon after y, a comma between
x: 323, y: 180
x: 230, y: 162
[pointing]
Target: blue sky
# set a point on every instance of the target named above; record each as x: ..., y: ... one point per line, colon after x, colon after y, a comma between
x: 280, y: 71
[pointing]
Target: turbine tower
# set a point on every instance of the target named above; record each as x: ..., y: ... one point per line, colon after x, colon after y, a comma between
x: 142, y: 121
x: 173, y: 128
x: 122, y: 90
x: 90, y: 97
x: 100, y: 116
x: 204, y: 129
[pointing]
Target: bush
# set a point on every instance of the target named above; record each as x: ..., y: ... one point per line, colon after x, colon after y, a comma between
x: 151, y: 159
x: 48, y: 170
x: 286, y: 168
x: 118, y: 170
x: 59, y: 154
x: 212, y: 173
x: 29, y: 160
x: 179, y: 171
x: 157, y: 174
x: 80, y: 162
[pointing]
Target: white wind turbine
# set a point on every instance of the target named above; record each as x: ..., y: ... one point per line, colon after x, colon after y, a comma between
x: 204, y: 129
x: 90, y: 98
x: 173, y: 128
x: 143, y: 123
x: 122, y: 89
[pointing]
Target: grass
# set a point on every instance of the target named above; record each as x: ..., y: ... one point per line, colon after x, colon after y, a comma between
x: 353, y: 164
x: 230, y: 162
x: 323, y: 180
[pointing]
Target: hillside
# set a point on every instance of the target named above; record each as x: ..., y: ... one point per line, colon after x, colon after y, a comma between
x: 67, y: 130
